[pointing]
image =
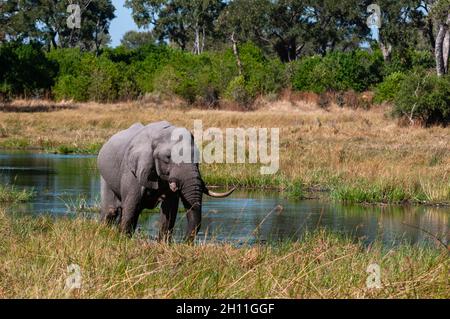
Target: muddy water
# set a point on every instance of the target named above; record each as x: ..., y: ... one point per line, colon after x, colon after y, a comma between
x: 65, y: 183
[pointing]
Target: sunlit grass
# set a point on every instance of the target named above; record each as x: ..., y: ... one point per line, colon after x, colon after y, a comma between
x: 35, y: 253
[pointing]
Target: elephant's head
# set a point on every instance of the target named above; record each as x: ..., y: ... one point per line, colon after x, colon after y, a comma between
x: 157, y: 152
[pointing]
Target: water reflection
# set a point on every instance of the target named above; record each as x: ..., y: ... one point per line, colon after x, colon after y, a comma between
x: 64, y: 181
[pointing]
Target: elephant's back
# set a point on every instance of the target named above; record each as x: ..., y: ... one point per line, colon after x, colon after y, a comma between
x: 110, y: 157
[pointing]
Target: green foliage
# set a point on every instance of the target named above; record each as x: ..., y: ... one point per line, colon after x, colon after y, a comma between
x: 387, y: 90
x: 45, y: 21
x: 262, y: 75
x: 83, y: 76
x: 24, y: 69
x: 204, y: 79
x: 425, y: 98
x: 337, y: 71
x: 237, y: 91
x: 14, y: 195
x: 404, y: 60
x: 134, y: 39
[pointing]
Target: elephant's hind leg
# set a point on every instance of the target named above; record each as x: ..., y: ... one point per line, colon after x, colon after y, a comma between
x: 111, y: 210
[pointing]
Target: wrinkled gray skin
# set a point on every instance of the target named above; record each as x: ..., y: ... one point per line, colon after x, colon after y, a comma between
x: 137, y: 173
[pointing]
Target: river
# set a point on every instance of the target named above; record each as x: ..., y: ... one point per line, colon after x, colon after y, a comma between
x: 64, y: 183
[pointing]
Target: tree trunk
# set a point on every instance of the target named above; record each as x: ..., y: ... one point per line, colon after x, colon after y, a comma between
x: 386, y: 49
x: 441, y: 48
x: 197, y: 40
x: 236, y: 53
x: 446, y: 50
x: 430, y: 34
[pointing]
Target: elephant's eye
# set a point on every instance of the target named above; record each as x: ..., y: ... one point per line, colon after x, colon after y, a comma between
x: 166, y: 158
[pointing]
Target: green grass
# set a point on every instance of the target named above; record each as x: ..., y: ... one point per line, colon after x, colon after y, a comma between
x: 215, y: 175
x: 91, y: 148
x: 12, y: 195
x: 388, y: 193
x: 35, y: 254
x: 15, y: 143
x: 371, y: 194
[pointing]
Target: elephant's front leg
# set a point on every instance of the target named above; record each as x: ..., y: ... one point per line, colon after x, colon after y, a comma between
x: 168, y: 215
x: 131, y: 208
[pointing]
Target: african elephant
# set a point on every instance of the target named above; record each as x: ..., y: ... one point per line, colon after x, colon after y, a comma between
x: 137, y: 172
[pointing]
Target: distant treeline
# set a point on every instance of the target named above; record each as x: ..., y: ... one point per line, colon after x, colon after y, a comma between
x: 208, y: 51
x: 206, y: 79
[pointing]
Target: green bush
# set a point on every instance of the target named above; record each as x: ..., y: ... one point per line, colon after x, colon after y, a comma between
x: 424, y: 98
x: 262, y: 75
x: 237, y: 91
x: 408, y: 59
x: 123, y: 74
x: 72, y: 87
x: 25, y: 70
x: 83, y: 77
x: 387, y: 90
x: 310, y: 75
x: 185, y: 75
x: 337, y: 71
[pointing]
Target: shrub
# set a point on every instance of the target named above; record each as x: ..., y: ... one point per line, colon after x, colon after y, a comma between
x: 338, y: 71
x: 387, y: 90
x: 83, y: 77
x: 308, y: 75
x: 262, y: 75
x: 25, y: 70
x: 237, y: 92
x: 105, y: 78
x: 408, y: 59
x: 424, y: 97
x: 72, y: 87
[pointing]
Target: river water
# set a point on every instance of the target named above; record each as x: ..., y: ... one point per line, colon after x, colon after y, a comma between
x: 65, y: 183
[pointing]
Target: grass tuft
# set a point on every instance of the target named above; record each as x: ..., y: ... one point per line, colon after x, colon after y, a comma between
x: 12, y: 195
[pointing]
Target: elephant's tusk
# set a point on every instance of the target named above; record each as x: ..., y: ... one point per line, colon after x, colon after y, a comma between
x: 173, y: 186
x: 218, y: 195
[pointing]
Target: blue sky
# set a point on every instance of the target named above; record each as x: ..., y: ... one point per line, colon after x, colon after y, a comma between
x: 122, y: 23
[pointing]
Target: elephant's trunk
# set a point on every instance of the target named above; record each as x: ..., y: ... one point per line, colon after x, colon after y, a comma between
x: 191, y: 189
x: 191, y: 195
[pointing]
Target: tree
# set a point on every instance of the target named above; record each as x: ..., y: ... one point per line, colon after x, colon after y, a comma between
x: 277, y: 26
x: 45, y: 21
x: 336, y: 24
x: 290, y: 27
x: 441, y: 12
x: 186, y: 23
x: 400, y: 22
x: 135, y: 39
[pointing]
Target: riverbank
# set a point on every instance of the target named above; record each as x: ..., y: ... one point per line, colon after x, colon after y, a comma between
x: 351, y: 155
x: 36, y: 251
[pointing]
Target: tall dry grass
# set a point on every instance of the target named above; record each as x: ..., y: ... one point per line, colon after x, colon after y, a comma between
x: 35, y: 254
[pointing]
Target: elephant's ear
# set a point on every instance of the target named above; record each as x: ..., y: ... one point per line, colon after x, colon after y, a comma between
x: 139, y: 159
